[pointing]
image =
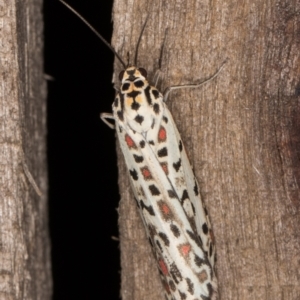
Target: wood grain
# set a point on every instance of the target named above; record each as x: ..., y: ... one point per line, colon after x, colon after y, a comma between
x: 241, y: 131
x: 24, y: 242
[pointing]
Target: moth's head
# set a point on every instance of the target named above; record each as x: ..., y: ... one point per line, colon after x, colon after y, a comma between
x: 133, y: 74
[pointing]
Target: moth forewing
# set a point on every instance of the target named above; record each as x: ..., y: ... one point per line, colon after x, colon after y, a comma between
x: 165, y: 189
x: 198, y: 216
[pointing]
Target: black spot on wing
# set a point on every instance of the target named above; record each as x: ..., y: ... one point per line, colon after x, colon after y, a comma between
x: 153, y: 123
x: 194, y: 237
x: 154, y: 190
x: 149, y: 208
x: 199, y: 261
x: 152, y: 231
x: 193, y: 208
x: 159, y: 246
x: 135, y: 105
x: 210, y: 250
x: 165, y: 119
x: 147, y: 94
x: 200, y: 239
x: 142, y: 144
x: 133, y: 174
x: 177, y: 165
x: 172, y: 285
x: 155, y: 93
x: 210, y: 289
x: 190, y: 286
x: 120, y: 115
x: 180, y: 146
x: 156, y: 108
x: 182, y: 295
x: 162, y: 152
x: 175, y: 273
x: 139, y: 119
x: 184, y: 196
x: 151, y: 143
x: 172, y: 194
x: 138, y: 159
x: 165, y: 239
x: 175, y: 230
x: 205, y: 228
x: 204, y: 297
x: 196, y: 189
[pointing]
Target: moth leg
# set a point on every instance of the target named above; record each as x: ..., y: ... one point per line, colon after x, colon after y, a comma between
x: 159, y: 72
x: 184, y: 86
x: 156, y: 77
x: 105, y: 116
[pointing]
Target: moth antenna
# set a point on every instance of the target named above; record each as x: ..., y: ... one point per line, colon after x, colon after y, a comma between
x: 139, y: 40
x: 162, y: 50
x: 95, y: 31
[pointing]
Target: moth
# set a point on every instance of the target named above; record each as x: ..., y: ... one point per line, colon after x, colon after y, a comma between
x: 164, y: 185
x: 165, y: 189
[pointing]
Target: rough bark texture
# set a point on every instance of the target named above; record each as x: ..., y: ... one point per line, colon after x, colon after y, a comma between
x: 241, y: 131
x: 24, y: 243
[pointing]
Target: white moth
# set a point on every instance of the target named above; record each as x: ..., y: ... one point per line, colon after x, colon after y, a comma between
x: 164, y: 186
x: 165, y: 189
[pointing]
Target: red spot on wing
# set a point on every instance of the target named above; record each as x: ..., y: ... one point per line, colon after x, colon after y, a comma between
x: 167, y: 287
x: 165, y: 168
x: 130, y: 143
x: 163, y: 267
x: 146, y: 173
x: 162, y: 134
x: 165, y: 209
x: 185, y: 249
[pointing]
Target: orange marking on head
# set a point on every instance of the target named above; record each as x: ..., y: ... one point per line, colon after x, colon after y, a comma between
x: 162, y: 134
x: 163, y: 267
x: 130, y: 143
x: 185, y: 249
x: 129, y: 101
x: 139, y: 99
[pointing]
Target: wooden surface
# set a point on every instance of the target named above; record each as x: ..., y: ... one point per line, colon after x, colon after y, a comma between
x: 24, y: 243
x: 241, y: 131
